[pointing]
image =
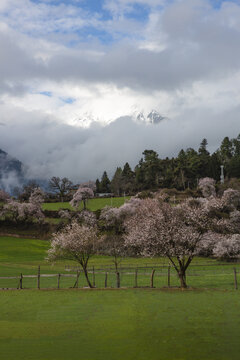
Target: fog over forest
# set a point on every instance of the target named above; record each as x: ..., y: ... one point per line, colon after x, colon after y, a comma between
x: 64, y: 64
x: 48, y: 148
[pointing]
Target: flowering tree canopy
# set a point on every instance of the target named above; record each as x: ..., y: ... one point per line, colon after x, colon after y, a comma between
x: 87, y: 217
x: 75, y: 242
x: 157, y: 228
x: 37, y: 196
x: 28, y: 212
x: 114, y: 217
x: 207, y: 226
x: 82, y: 194
x: 228, y: 247
x: 207, y: 186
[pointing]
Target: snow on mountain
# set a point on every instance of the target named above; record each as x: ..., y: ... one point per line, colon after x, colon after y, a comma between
x: 140, y: 116
x: 154, y: 117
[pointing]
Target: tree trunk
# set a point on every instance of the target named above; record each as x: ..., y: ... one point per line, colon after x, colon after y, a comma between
x: 182, y: 277
x: 115, y: 263
x: 181, y: 269
x: 86, y: 276
x: 84, y: 204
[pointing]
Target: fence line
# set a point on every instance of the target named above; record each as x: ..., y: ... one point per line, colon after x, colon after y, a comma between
x: 147, y: 266
x: 132, y: 279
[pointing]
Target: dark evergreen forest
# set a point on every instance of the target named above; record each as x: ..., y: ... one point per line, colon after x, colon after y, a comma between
x: 181, y: 172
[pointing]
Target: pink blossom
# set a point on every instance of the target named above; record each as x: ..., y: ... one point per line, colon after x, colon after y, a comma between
x: 82, y: 194
x: 207, y: 186
x: 74, y: 242
x: 228, y: 247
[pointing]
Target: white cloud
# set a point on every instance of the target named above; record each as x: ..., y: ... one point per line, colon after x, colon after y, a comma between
x: 182, y: 60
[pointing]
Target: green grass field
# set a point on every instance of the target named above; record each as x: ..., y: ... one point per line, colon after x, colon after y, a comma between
x: 19, y: 255
x: 92, y: 204
x: 99, y: 324
x: 119, y: 324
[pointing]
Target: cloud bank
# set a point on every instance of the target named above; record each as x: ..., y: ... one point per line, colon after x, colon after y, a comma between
x: 49, y: 148
x: 62, y: 62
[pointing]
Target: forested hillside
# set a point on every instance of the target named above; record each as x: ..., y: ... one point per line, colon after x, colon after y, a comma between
x: 181, y: 172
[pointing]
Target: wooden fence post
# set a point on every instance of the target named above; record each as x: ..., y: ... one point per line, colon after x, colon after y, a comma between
x: 93, y: 277
x: 21, y: 281
x: 106, y: 279
x: 118, y: 279
x: 38, y: 278
x: 235, y: 278
x: 152, y: 276
x: 136, y: 276
x: 169, y: 274
x: 59, y: 275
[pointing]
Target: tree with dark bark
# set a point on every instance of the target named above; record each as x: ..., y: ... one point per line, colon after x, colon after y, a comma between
x: 27, y: 190
x: 60, y: 186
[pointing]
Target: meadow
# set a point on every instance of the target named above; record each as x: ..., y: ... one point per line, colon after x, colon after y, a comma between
x: 119, y: 324
x: 201, y: 322
x: 92, y: 204
x: 21, y: 255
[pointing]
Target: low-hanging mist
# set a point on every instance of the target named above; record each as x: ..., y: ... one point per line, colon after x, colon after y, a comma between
x: 50, y: 148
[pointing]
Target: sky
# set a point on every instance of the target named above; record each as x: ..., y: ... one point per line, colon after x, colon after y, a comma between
x: 74, y: 74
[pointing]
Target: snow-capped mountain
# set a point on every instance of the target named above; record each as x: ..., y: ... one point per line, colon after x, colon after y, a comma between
x: 87, y: 118
x: 154, y: 117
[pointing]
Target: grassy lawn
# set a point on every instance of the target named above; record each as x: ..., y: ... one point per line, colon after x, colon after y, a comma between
x: 116, y: 325
x: 130, y: 324
x: 93, y: 204
x: 19, y: 255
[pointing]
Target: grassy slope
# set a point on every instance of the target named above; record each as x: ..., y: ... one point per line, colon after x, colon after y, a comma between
x: 93, y: 204
x: 116, y: 325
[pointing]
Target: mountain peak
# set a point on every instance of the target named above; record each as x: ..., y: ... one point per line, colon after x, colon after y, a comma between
x: 154, y: 117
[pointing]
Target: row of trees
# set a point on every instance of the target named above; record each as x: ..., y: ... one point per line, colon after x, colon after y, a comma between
x: 208, y: 226
x: 180, y: 172
x: 28, y: 212
x: 31, y: 210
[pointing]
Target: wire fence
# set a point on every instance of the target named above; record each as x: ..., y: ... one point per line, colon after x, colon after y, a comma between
x: 221, y: 276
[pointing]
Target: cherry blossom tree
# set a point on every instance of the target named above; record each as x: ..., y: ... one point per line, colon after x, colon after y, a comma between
x: 114, y: 217
x: 158, y: 229
x: 75, y: 242
x: 231, y: 199
x: 37, y: 196
x: 112, y: 245
x: 228, y: 247
x: 87, y: 217
x: 207, y: 186
x: 207, y: 226
x: 64, y: 214
x: 25, y: 212
x: 81, y: 195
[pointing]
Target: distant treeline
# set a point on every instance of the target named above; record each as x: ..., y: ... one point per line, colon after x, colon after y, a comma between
x: 179, y: 172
